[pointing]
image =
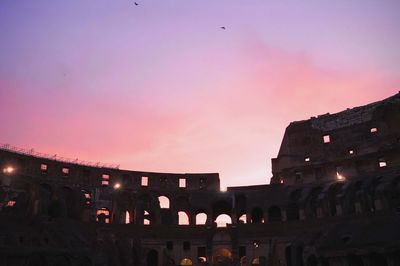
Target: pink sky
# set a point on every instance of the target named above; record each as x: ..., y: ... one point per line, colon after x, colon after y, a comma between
x: 163, y: 88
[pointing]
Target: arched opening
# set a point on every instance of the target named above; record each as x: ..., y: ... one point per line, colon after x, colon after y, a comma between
x: 312, y: 261
x: 243, y: 261
x: 87, y: 197
x: 299, y: 256
x: 152, y: 258
x: 186, y: 262
x: 146, y: 218
x: 67, y: 202
x: 333, y: 191
x: 313, y: 200
x: 288, y: 256
x: 222, y: 257
x: 223, y: 220
x: 46, y: 195
x: 183, y: 203
x: 243, y: 219
x: 127, y: 217
x: 352, y: 260
x: 295, y: 195
x: 257, y: 216
x: 293, y: 212
x: 222, y: 207
x: 376, y: 259
x: 274, y: 214
x: 103, y: 215
x: 164, y: 202
x: 201, y: 218
x: 183, y: 218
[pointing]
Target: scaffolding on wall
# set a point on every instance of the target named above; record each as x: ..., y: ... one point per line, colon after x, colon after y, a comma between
x: 55, y: 157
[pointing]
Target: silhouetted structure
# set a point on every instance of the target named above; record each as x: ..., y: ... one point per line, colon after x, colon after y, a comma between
x: 333, y: 200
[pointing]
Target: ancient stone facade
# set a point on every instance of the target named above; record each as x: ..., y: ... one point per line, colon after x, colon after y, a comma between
x: 333, y: 200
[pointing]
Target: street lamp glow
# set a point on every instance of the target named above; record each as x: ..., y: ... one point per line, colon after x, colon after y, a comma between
x: 8, y: 170
x: 117, y: 185
x: 340, y: 177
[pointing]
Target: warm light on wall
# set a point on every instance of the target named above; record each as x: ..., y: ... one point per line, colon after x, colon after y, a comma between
x: 8, y: 170
x: 340, y: 177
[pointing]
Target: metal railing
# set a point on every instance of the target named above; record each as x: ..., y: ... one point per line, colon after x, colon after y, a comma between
x: 55, y: 157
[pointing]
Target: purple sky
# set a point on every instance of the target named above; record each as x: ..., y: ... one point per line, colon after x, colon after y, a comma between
x: 161, y: 87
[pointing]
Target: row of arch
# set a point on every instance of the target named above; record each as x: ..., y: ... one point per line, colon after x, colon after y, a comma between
x: 321, y: 201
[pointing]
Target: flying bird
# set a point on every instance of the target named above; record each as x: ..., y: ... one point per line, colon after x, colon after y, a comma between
x: 223, y: 28
x: 136, y: 4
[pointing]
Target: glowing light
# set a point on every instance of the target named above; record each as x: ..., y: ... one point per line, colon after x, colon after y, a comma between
x: 256, y: 244
x: 8, y: 170
x: 223, y: 189
x: 340, y: 177
x: 11, y: 203
x: 281, y: 181
x: 117, y: 186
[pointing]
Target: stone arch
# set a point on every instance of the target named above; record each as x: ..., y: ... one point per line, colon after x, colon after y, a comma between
x: 222, y: 256
x: 186, y: 262
x: 164, y: 202
x: 36, y: 260
x: 376, y: 259
x: 128, y: 218
x: 44, y: 199
x: 274, y: 214
x: 201, y: 217
x: 296, y: 195
x: 257, y: 215
x: 103, y: 215
x: 333, y: 191
x: 183, y: 218
x: 288, y: 255
x: 354, y: 260
x: 292, y: 212
x: 183, y: 203
x: 313, y: 200
x: 221, y: 207
x: 67, y: 201
x: 152, y: 258
x: 145, y: 201
x: 147, y: 218
x: 223, y: 220
x: 394, y: 197
x: 312, y: 261
x: 242, y: 218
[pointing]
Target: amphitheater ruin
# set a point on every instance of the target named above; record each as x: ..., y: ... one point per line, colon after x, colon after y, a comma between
x: 333, y: 200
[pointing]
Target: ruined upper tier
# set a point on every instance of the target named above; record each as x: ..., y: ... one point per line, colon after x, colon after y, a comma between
x: 348, y: 144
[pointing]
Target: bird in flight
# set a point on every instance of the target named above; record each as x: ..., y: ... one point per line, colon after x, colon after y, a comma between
x: 223, y: 28
x: 136, y: 4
